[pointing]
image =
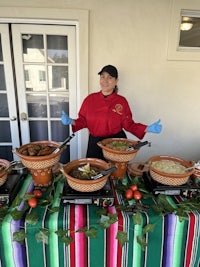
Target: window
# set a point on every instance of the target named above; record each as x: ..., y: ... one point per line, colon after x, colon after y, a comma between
x: 189, y: 32
x: 26, y: 75
x: 184, y: 43
x: 42, y: 76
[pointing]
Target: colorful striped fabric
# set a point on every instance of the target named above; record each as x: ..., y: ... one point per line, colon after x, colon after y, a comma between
x: 171, y: 244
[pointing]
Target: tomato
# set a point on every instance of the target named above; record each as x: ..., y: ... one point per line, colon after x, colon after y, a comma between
x: 137, y: 195
x: 128, y: 194
x: 37, y: 193
x: 133, y: 187
x: 32, y: 202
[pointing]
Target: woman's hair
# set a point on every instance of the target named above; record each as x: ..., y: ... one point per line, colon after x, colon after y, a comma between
x: 116, y: 89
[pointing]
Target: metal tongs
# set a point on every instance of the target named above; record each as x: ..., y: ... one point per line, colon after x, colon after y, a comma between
x: 138, y: 145
x: 103, y: 173
x: 6, y: 170
x: 63, y: 143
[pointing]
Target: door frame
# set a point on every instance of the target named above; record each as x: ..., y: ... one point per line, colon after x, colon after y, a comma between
x: 10, y: 90
x: 78, y: 18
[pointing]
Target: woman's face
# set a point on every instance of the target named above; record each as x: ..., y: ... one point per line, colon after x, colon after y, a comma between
x: 107, y: 83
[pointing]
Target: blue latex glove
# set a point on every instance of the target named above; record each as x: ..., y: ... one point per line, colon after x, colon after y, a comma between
x: 66, y: 120
x: 156, y: 127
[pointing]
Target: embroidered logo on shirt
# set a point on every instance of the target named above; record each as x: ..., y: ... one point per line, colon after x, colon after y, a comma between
x: 118, y: 109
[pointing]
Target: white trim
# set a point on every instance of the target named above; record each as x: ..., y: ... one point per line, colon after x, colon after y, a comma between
x: 38, y: 21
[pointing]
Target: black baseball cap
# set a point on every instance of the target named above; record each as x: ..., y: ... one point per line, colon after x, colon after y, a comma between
x: 111, y: 70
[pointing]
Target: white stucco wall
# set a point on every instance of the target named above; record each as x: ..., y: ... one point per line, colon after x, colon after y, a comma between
x: 134, y: 35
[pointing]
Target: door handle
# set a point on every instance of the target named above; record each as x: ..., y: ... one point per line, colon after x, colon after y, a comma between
x: 23, y: 116
x: 13, y: 118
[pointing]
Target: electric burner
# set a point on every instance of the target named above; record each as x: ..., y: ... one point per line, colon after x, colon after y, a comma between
x: 103, y: 197
x: 10, y: 188
x: 188, y: 190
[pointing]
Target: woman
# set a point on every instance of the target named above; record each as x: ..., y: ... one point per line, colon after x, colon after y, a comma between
x: 106, y: 114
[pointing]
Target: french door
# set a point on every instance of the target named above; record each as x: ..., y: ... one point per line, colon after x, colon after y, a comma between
x: 37, y: 82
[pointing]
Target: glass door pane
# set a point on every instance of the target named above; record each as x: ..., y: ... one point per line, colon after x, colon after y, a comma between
x: 57, y: 49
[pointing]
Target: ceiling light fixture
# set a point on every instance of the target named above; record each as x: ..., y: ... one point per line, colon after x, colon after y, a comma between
x: 186, y: 26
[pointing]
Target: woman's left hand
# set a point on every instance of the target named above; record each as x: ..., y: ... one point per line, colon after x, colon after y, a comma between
x: 156, y: 127
x: 66, y: 120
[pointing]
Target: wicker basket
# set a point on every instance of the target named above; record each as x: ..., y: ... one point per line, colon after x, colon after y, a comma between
x: 4, y: 173
x: 168, y: 178
x: 137, y: 168
x: 116, y: 155
x: 40, y: 166
x: 85, y: 185
x: 39, y: 162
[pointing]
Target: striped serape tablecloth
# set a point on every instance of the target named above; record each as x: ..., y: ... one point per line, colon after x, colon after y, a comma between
x: 172, y: 243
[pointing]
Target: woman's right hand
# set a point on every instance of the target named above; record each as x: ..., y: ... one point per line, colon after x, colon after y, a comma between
x: 65, y: 119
